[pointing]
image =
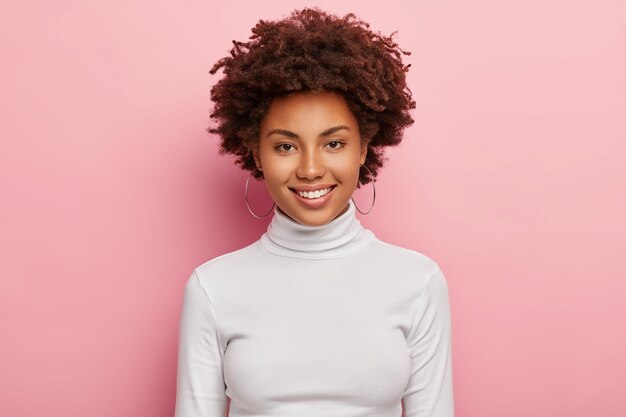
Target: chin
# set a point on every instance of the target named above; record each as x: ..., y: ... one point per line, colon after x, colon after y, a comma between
x: 316, y: 222
x: 317, y: 217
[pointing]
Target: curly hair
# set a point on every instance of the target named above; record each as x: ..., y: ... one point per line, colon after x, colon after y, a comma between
x: 312, y: 50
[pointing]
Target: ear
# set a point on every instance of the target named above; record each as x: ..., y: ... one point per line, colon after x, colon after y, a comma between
x: 255, y: 155
x: 364, y: 147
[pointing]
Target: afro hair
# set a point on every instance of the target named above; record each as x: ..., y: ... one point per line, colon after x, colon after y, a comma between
x: 312, y: 50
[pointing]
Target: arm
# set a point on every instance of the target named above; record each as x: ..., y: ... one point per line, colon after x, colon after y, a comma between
x: 429, y: 392
x: 200, y: 387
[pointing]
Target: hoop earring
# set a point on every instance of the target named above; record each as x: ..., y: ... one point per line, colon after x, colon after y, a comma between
x: 374, y: 188
x: 246, y: 199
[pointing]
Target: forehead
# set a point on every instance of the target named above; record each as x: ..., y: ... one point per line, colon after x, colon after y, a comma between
x: 308, y: 109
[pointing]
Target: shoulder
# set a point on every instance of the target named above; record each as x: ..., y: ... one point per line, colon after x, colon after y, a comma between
x: 400, y: 255
x: 406, y: 264
x: 229, y: 265
x: 418, y: 274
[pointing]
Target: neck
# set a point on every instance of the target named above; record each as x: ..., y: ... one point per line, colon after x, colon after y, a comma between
x: 286, y: 215
x: 342, y: 236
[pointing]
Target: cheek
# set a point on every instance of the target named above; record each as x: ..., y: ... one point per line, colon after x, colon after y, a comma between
x: 276, y: 175
x: 347, y: 168
x: 282, y: 166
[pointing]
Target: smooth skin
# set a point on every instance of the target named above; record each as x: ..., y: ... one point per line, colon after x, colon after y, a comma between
x: 310, y: 138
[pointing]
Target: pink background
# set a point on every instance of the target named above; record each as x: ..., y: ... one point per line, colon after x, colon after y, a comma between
x: 512, y: 178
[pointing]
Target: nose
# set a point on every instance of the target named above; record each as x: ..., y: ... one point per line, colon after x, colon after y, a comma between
x: 311, y: 165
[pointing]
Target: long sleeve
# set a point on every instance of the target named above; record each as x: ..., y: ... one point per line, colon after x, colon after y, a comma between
x: 200, y: 390
x: 429, y: 392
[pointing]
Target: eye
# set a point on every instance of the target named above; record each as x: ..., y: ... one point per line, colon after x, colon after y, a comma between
x: 281, y: 147
x: 338, y: 144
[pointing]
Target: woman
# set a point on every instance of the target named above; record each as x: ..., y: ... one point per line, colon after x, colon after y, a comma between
x: 318, y: 317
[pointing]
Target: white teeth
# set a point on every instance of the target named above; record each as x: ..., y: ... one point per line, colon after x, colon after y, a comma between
x: 313, y: 194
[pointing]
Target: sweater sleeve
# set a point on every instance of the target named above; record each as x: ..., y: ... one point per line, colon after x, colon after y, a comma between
x: 429, y: 392
x: 200, y: 387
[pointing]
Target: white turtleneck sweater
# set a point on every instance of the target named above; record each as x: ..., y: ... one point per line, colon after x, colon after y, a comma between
x: 316, y: 321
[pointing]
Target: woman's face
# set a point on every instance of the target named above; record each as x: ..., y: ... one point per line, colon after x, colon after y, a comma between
x: 310, y: 141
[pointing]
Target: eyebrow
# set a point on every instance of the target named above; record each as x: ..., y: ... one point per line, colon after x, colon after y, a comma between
x: 291, y: 134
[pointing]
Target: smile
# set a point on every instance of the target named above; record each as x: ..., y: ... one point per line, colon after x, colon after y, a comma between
x: 314, y: 199
x: 312, y: 195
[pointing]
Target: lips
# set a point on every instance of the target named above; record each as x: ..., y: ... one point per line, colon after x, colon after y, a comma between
x: 310, y: 188
x: 300, y: 190
x: 315, y: 203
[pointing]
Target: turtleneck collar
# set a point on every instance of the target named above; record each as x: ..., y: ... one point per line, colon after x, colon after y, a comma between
x: 340, y: 237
